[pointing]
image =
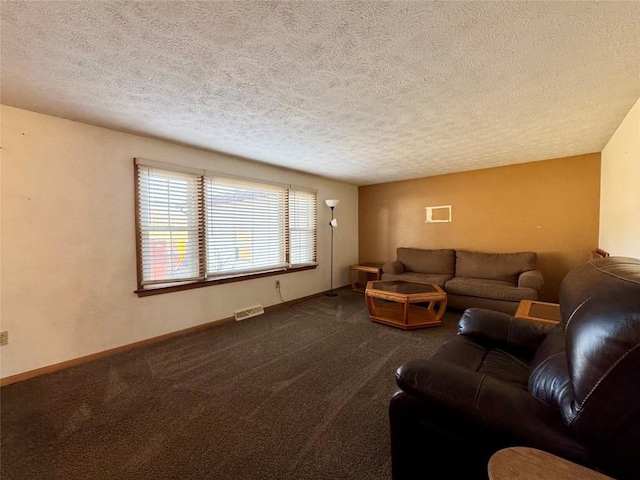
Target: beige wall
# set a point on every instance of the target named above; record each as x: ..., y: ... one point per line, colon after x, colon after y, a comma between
x: 549, y: 207
x: 68, y: 269
x: 620, y: 189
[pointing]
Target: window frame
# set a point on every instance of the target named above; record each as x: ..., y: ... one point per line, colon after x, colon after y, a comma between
x: 147, y: 288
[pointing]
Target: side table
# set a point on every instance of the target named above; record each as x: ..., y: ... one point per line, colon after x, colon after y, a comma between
x: 370, y: 269
x: 539, y: 311
x: 524, y: 463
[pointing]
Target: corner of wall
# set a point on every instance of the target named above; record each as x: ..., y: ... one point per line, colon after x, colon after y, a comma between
x: 619, y: 231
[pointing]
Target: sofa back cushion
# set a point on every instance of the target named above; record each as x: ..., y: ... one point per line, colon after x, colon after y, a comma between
x: 494, y: 266
x: 440, y: 261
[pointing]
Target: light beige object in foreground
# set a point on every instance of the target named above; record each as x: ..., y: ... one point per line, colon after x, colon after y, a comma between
x: 524, y: 463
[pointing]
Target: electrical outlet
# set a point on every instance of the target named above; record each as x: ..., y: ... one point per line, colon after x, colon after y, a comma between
x: 4, y: 338
x: 278, y: 284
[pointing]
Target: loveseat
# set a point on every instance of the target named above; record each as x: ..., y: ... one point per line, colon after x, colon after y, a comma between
x: 572, y: 389
x: 471, y: 279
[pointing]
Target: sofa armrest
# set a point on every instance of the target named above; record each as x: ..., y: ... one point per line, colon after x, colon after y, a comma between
x: 531, y: 279
x: 503, y: 330
x: 394, y: 267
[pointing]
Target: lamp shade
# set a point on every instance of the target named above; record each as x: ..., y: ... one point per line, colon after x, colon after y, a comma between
x: 334, y: 222
x: 332, y: 202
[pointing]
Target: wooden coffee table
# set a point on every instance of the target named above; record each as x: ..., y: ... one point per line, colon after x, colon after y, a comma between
x: 395, y: 304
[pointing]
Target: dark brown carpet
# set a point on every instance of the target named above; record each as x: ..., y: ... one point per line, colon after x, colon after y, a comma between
x: 298, y: 393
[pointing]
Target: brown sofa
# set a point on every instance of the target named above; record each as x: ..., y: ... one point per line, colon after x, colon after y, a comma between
x: 497, y: 281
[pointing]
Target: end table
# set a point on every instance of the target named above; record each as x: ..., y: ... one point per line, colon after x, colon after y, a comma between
x: 539, y: 311
x: 370, y: 269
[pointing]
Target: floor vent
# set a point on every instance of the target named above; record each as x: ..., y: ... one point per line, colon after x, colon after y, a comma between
x: 248, y: 312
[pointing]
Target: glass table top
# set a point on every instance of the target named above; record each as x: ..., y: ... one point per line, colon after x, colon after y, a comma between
x: 403, y: 287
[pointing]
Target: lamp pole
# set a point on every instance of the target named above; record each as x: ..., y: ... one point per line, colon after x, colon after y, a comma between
x: 333, y: 223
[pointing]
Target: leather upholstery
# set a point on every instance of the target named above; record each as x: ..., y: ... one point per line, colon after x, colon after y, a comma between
x: 572, y: 389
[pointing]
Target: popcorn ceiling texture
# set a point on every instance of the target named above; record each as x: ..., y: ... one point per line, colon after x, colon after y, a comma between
x: 364, y: 92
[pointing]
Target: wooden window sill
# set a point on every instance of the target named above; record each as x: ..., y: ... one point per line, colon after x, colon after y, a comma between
x: 146, y: 292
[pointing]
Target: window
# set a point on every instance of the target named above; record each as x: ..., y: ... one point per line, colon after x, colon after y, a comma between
x: 245, y: 226
x: 302, y: 226
x: 169, y: 225
x: 197, y: 227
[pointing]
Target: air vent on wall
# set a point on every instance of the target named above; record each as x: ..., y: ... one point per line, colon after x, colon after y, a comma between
x: 248, y: 312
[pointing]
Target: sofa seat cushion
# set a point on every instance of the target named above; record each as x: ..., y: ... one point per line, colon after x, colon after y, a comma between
x: 485, y: 360
x: 416, y: 277
x: 474, y: 386
x: 495, y: 289
x: 505, y: 267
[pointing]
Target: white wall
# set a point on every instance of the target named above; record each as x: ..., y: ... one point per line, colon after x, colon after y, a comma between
x: 68, y: 270
x: 620, y: 189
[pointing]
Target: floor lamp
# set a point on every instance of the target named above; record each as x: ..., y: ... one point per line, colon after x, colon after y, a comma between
x: 333, y: 223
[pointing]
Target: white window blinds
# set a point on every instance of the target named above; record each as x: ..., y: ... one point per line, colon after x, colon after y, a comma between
x: 245, y: 226
x: 302, y: 227
x: 170, y: 237
x: 194, y: 226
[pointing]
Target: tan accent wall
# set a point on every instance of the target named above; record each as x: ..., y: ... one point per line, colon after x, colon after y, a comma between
x: 550, y: 207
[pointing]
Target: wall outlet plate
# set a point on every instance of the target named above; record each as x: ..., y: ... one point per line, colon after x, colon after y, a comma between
x: 4, y: 338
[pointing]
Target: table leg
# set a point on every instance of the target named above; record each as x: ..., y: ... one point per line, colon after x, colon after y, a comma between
x: 442, y: 306
x: 406, y: 313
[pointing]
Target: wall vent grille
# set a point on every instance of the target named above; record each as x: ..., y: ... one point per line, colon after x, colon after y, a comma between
x: 248, y: 312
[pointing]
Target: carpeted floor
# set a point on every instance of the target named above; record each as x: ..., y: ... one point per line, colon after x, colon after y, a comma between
x: 298, y: 393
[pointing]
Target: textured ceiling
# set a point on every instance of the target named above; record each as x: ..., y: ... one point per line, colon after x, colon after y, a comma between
x: 364, y: 92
